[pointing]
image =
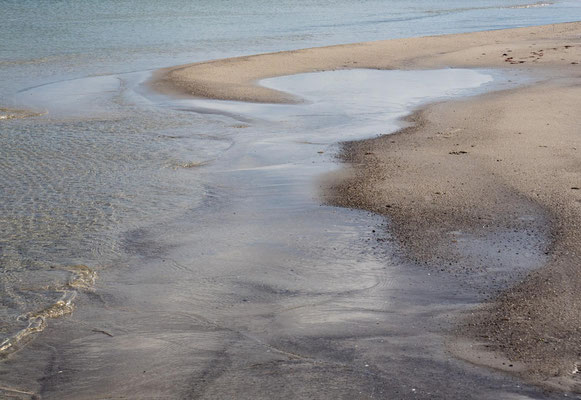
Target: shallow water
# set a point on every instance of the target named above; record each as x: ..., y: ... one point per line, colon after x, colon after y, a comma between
x: 48, y: 41
x: 212, y: 251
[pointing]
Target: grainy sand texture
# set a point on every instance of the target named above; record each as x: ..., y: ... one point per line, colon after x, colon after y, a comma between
x: 492, y: 163
x: 499, y: 162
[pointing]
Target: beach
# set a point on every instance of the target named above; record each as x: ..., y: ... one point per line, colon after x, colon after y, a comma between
x: 269, y: 199
x: 488, y: 165
x: 234, y: 78
x: 460, y: 176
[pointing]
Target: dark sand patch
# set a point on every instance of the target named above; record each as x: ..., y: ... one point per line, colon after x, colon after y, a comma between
x: 506, y: 182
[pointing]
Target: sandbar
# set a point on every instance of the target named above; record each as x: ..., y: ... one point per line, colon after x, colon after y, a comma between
x: 473, y: 165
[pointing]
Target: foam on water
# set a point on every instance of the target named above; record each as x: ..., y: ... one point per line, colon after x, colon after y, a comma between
x: 11, y: 113
x: 82, y: 278
x: 533, y: 5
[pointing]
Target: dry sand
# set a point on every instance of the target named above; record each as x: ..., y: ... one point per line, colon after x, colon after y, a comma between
x: 235, y: 78
x: 463, y: 166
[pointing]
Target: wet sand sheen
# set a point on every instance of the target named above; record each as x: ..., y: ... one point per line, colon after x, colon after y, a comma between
x: 474, y: 144
x: 260, y: 291
x: 219, y: 273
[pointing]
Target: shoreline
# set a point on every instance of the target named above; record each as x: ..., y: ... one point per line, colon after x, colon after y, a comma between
x: 507, y: 158
x: 525, y: 49
x: 472, y: 182
x: 498, y: 162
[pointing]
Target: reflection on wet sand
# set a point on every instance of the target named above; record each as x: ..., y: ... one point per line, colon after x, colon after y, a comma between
x: 253, y: 289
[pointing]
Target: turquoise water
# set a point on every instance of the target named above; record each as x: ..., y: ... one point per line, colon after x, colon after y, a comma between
x: 96, y: 171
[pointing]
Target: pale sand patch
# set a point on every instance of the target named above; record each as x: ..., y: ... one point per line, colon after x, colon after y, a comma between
x: 235, y: 78
x: 468, y: 165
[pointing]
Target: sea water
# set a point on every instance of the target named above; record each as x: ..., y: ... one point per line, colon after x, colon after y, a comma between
x: 47, y: 41
x: 100, y: 180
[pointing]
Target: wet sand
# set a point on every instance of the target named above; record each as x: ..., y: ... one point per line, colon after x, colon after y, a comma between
x: 256, y: 290
x: 464, y: 176
x: 495, y: 163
